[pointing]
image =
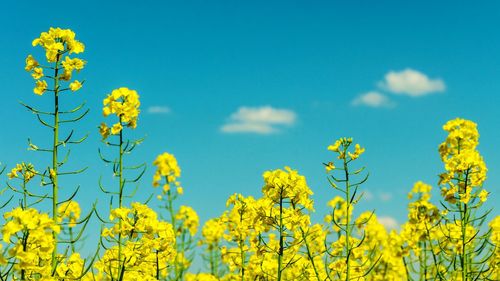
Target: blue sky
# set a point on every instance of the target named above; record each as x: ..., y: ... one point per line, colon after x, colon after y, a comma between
x: 294, y: 73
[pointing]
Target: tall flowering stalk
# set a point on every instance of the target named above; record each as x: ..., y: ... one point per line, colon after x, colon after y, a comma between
x: 59, y: 67
x: 463, y: 194
x: 184, y: 220
x: 240, y: 234
x: 349, y: 254
x: 285, y: 197
x: 123, y: 104
x: 421, y: 235
x: 212, y: 233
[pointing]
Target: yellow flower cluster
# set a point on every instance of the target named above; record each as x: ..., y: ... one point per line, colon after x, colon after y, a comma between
x: 495, y: 240
x: 340, y: 213
x: 341, y: 146
x: 57, y: 43
x: 462, y: 162
x: 189, y: 219
x: 124, y: 103
x: 239, y: 220
x: 30, y: 234
x: 451, y: 237
x: 212, y: 231
x: 72, y: 268
x: 422, y: 217
x: 69, y: 210
x: 383, y: 244
x: 23, y: 171
x: 287, y: 184
x: 149, y: 248
x: 167, y: 167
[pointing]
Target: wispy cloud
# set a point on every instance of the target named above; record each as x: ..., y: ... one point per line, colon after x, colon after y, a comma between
x: 158, y: 109
x: 373, y: 99
x: 385, y: 196
x: 368, y: 195
x: 389, y: 223
x: 411, y: 82
x: 259, y: 120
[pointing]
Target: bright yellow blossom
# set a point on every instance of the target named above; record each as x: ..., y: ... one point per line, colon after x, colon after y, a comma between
x: 37, y: 73
x: 116, y: 129
x: 31, y: 63
x: 104, y: 131
x: 167, y: 167
x: 75, y: 85
x: 41, y: 87
x: 70, y: 210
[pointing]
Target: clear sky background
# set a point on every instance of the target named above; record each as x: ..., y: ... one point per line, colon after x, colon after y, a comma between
x: 234, y: 88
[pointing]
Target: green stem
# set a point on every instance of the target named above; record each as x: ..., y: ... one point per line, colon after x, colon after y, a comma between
x: 55, y: 146
x: 73, y: 250
x: 241, y: 244
x: 436, y: 264
x: 464, y: 219
x: 25, y: 204
x: 120, y: 199
x: 170, y: 208
x: 347, y: 226
x: 280, y: 228
x: 157, y: 267
x: 309, y: 254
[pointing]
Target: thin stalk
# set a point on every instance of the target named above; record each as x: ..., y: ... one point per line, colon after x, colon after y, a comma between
x: 157, y: 267
x: 25, y: 195
x: 73, y: 250
x: 55, y: 147
x: 170, y: 208
x: 464, y: 220
x: 120, y: 198
x: 347, y: 227
x: 241, y: 244
x: 309, y: 254
x: 280, y: 228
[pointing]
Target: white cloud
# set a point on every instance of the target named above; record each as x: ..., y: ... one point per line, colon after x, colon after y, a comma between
x: 373, y: 99
x: 412, y: 83
x: 385, y: 196
x: 259, y: 120
x: 368, y: 195
x: 158, y: 109
x: 388, y: 222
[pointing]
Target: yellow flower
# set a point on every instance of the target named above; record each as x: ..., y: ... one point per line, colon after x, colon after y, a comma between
x: 287, y: 184
x: 329, y: 166
x: 483, y: 195
x: 41, y: 87
x: 37, y: 73
x: 124, y: 103
x: 167, y: 168
x: 71, y: 210
x: 27, y: 172
x: 70, y: 64
x: 104, y: 131
x: 75, y: 86
x: 335, y: 147
x: 357, y: 152
x: 180, y: 190
x: 189, y: 219
x: 117, y: 128
x: 30, y: 63
x: 57, y: 41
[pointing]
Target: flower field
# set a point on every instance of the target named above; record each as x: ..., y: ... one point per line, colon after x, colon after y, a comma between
x: 271, y: 237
